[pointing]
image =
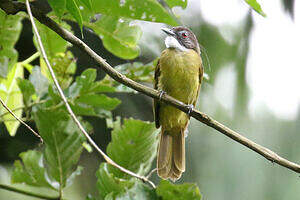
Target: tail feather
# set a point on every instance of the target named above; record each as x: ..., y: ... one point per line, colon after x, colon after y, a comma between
x: 171, y: 155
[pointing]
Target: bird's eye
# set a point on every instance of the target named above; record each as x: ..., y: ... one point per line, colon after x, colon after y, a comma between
x: 184, y: 35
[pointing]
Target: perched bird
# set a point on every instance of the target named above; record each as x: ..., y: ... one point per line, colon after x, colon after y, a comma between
x: 179, y: 74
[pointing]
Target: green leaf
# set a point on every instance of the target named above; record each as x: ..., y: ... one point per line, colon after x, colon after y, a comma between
x: 27, y: 89
x: 136, y: 71
x: 137, y: 192
x: 168, y: 191
x: 63, y: 143
x: 58, y: 7
x: 107, y: 182
x: 39, y: 81
x: 10, y: 28
x: 31, y: 170
x: 256, y: 6
x: 74, y: 10
x: 148, y: 10
x: 12, y: 97
x: 118, y: 36
x: 173, y: 3
x: 133, y: 146
x: 99, y: 101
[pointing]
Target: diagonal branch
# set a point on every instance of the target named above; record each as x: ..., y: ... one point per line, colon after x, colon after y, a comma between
x: 14, y: 7
x: 43, y: 52
x: 20, y: 120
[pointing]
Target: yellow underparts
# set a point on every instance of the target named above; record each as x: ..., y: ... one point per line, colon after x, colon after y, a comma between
x: 179, y: 78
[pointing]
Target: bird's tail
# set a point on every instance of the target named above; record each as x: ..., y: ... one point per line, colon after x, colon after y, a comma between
x: 171, y: 154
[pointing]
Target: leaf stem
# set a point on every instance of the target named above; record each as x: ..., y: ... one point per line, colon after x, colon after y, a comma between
x: 13, y: 189
x: 31, y: 58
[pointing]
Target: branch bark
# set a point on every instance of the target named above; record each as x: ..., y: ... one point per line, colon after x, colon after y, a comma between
x: 14, y: 7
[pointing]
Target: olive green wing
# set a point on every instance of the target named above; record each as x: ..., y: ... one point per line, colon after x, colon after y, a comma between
x: 201, y: 71
x: 156, y: 104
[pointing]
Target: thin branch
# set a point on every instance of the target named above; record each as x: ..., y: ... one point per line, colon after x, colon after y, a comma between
x: 43, y: 52
x: 13, y: 7
x: 20, y: 120
x: 13, y: 189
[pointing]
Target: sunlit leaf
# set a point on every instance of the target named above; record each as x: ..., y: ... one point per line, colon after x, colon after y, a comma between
x: 148, y: 10
x: 58, y: 7
x: 256, y: 6
x: 139, y: 138
x: 10, y: 28
x: 118, y: 36
x: 173, y: 3
x: 74, y: 10
x: 12, y: 97
x: 167, y: 191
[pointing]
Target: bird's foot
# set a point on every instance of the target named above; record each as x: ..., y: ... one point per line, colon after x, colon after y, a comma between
x: 190, y: 108
x: 161, y: 94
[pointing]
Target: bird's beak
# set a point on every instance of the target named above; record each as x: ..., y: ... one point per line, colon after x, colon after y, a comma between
x: 168, y: 31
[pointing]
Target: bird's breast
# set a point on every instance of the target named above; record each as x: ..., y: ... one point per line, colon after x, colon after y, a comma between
x: 180, y: 74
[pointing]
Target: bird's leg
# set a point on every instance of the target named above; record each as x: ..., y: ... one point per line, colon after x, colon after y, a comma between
x: 161, y: 94
x: 190, y: 108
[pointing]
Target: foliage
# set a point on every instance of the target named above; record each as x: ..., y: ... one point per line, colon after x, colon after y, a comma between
x: 134, y: 142
x: 256, y: 6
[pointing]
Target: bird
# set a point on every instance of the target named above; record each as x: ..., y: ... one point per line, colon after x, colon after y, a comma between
x: 178, y: 73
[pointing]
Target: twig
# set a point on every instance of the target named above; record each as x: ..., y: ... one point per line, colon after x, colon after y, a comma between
x: 21, y: 121
x: 14, y: 7
x: 108, y: 160
x: 13, y: 189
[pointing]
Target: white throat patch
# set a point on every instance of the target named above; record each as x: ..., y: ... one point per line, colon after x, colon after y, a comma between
x: 171, y: 42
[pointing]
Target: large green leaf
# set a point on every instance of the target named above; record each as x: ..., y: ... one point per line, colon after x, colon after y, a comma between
x: 148, y: 10
x: 173, y: 3
x: 133, y: 146
x: 118, y: 36
x: 10, y: 28
x: 12, y: 97
x: 136, y: 71
x: 169, y: 191
x: 256, y: 6
x: 73, y: 8
x: 85, y: 97
x: 63, y: 142
x: 27, y: 90
x: 58, y: 7
x: 31, y: 170
x: 108, y: 183
x: 39, y: 81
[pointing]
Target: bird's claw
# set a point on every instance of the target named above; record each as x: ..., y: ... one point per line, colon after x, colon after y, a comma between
x: 190, y: 108
x: 161, y: 94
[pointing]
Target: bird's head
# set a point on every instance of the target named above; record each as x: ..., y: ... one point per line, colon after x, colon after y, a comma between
x: 181, y: 38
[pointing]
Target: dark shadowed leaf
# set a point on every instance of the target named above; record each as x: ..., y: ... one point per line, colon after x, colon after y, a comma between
x: 168, y: 191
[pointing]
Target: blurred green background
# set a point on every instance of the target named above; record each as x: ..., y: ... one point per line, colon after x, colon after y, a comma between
x: 253, y: 88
